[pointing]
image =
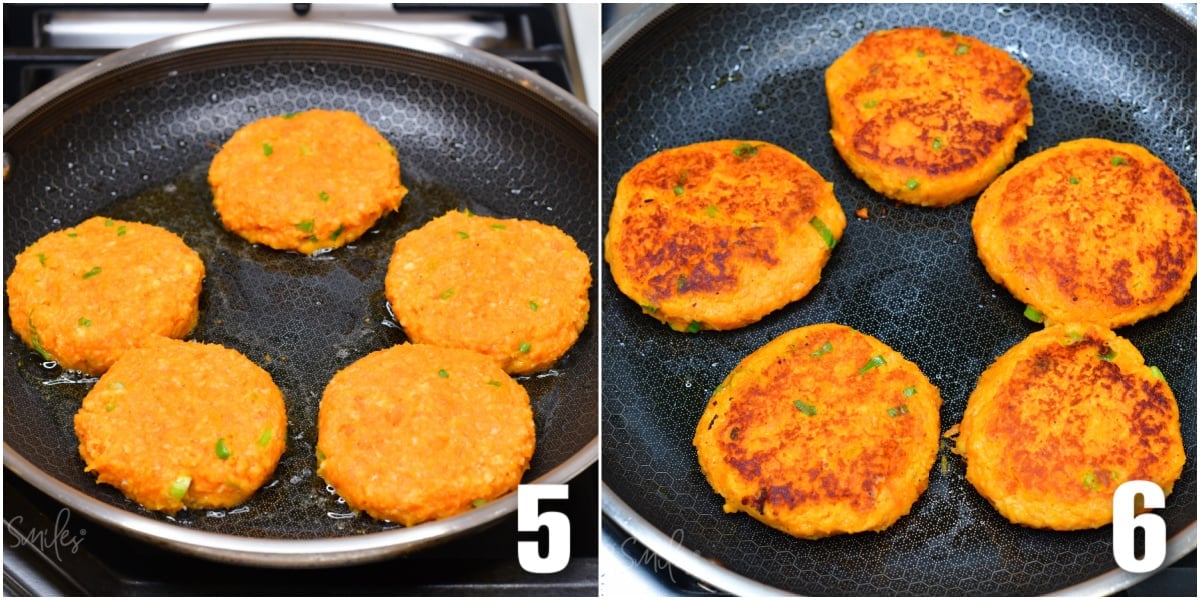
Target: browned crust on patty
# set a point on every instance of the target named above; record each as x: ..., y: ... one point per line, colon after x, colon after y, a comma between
x: 716, y: 235
x: 1091, y: 231
x: 926, y: 116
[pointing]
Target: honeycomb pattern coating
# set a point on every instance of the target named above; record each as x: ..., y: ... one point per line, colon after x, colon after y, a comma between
x: 137, y: 144
x: 908, y: 276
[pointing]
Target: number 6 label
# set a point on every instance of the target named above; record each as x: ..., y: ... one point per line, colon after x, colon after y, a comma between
x: 1125, y: 521
x: 557, y: 525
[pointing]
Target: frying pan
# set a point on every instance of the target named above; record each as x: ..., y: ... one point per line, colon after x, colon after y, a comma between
x: 909, y: 276
x: 130, y: 136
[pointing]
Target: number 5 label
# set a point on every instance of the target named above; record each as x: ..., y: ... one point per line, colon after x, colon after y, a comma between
x: 557, y: 525
x: 1125, y: 521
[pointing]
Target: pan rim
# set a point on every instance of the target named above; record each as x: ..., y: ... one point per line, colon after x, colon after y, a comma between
x: 281, y: 552
x: 631, y: 522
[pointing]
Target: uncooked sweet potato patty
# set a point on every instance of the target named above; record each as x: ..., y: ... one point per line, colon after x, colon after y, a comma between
x: 925, y: 116
x: 305, y: 181
x: 414, y: 433
x: 716, y: 235
x: 177, y: 424
x: 85, y: 295
x: 822, y: 431
x: 1062, y: 419
x: 1089, y: 231
x: 513, y: 289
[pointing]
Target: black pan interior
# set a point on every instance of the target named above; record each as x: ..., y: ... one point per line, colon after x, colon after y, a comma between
x: 908, y: 276
x: 136, y: 145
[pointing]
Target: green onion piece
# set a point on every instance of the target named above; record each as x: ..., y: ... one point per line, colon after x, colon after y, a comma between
x: 937, y: 143
x: 694, y: 326
x: 223, y: 450
x: 320, y: 456
x: 910, y: 391
x: 72, y: 235
x: 1108, y: 354
x: 108, y: 223
x: 289, y: 115
x: 324, y: 196
x: 478, y: 502
x: 525, y: 347
x: 1118, y: 161
x: 649, y: 309
x: 823, y: 350
x: 1156, y: 373
x: 1089, y: 481
x: 912, y: 183
x: 1034, y: 314
x: 443, y: 374
x: 498, y: 226
x: 823, y: 231
x: 42, y: 258
x: 110, y: 406
x: 120, y: 230
x: 805, y: 408
x: 1074, y: 337
x: 494, y: 383
x: 264, y: 438
x: 679, y: 190
x: 870, y: 104
x: 745, y: 150
x: 468, y: 212
x: 1074, y: 180
x: 680, y: 283
x: 920, y: 53
x: 36, y: 341
x: 92, y: 273
x: 85, y: 322
x: 876, y: 361
x: 710, y: 210
x: 179, y: 489
x: 962, y: 49
x: 462, y: 235
x: 337, y: 233
x: 533, y: 306
x: 305, y: 150
x: 267, y: 149
x: 896, y: 411
x: 306, y: 225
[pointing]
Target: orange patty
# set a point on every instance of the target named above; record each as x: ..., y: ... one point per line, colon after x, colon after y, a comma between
x: 415, y: 433
x: 716, y: 235
x: 1062, y: 419
x: 179, y: 424
x: 1090, y: 231
x: 822, y: 431
x: 515, y: 290
x: 86, y: 295
x: 925, y: 116
x: 306, y: 181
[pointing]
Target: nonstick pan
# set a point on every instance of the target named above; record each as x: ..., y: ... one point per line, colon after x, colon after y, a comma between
x: 130, y: 136
x: 908, y: 276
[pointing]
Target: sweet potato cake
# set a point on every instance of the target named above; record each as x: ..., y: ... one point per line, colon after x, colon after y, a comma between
x: 515, y: 290
x: 306, y: 181
x: 927, y: 117
x: 1089, y: 231
x: 716, y: 235
x: 177, y: 424
x: 85, y: 295
x: 822, y: 431
x: 1062, y: 419
x: 414, y: 433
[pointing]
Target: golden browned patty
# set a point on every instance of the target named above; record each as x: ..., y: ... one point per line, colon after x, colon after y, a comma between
x: 822, y: 431
x: 927, y: 117
x: 415, y: 433
x: 306, y: 181
x: 86, y: 295
x: 1089, y: 231
x: 1062, y: 419
x: 512, y: 289
x: 177, y: 424
x: 717, y: 235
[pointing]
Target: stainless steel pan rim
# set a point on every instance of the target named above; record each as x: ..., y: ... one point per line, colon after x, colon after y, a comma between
x: 297, y: 553
x: 674, y: 552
